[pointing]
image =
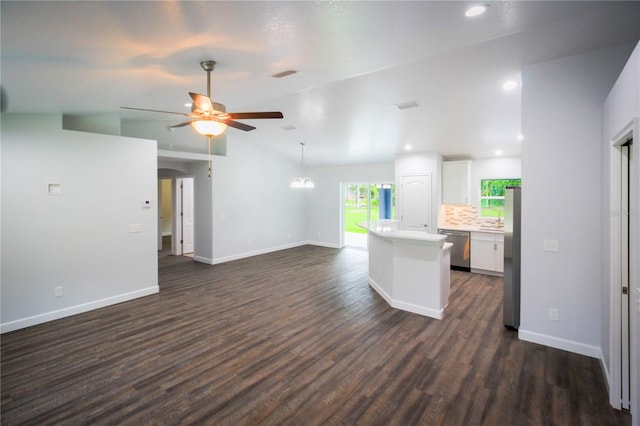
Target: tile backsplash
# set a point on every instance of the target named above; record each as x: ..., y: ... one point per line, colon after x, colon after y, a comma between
x: 461, y: 216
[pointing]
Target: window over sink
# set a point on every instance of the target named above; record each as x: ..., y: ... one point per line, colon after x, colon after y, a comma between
x: 492, y: 196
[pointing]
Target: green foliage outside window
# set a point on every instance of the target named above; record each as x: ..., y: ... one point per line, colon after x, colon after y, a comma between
x: 492, y: 196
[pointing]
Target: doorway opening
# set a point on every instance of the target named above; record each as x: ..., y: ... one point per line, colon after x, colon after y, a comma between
x: 363, y: 202
x: 165, y: 218
x: 176, y: 216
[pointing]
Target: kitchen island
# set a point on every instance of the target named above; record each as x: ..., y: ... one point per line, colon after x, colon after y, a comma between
x: 409, y: 269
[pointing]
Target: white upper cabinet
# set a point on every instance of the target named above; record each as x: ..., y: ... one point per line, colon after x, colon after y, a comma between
x: 456, y: 178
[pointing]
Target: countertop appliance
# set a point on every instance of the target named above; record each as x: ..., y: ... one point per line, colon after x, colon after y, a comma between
x: 511, y: 294
x: 461, y: 250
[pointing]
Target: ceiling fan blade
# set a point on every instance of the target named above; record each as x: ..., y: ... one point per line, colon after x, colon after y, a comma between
x: 255, y: 115
x: 157, y: 110
x: 201, y: 102
x: 237, y: 125
x: 186, y: 123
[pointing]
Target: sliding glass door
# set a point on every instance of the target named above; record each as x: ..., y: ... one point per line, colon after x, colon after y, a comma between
x: 364, y: 202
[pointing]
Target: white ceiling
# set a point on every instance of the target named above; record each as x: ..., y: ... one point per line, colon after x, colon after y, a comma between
x: 355, y: 60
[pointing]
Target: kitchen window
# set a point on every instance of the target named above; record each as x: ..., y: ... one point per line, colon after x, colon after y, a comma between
x: 492, y: 196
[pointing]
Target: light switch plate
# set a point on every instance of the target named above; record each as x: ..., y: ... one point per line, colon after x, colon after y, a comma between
x: 54, y: 189
x: 551, y: 245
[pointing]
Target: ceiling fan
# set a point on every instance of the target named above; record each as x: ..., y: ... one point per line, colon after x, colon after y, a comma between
x: 211, y: 118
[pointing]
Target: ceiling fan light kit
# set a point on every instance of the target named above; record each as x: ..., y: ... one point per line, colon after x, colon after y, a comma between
x: 208, y: 127
x: 302, y: 182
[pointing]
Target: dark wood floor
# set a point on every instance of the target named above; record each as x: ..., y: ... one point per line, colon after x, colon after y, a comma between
x: 294, y: 337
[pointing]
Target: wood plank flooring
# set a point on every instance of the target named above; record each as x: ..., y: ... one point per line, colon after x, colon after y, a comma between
x: 295, y: 337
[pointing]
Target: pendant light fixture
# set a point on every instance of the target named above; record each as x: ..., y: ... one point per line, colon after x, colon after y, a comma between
x: 302, y: 182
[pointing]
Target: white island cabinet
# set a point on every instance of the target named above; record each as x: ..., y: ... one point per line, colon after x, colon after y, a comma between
x: 409, y: 269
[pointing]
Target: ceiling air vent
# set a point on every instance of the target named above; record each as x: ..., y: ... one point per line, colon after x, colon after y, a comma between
x: 284, y: 73
x: 406, y: 105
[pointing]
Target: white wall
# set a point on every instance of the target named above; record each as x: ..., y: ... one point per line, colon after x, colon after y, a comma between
x: 249, y: 202
x: 561, y: 172
x: 492, y: 168
x: 620, y: 109
x: 79, y: 240
x: 323, y: 203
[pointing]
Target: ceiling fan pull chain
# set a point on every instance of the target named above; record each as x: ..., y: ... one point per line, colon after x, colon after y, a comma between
x: 209, y: 143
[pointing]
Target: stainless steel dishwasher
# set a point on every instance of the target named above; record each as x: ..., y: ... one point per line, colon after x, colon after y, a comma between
x: 461, y: 250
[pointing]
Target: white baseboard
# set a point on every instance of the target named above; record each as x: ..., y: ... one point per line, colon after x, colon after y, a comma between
x: 77, y: 309
x: 404, y: 306
x: 323, y: 244
x: 605, y: 371
x: 247, y: 254
x: 559, y: 343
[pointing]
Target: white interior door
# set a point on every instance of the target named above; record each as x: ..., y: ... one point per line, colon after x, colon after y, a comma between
x: 624, y: 274
x: 187, y: 215
x: 416, y: 202
x: 176, y: 228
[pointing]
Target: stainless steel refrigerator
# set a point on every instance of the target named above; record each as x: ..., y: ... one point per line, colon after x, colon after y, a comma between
x: 511, y: 296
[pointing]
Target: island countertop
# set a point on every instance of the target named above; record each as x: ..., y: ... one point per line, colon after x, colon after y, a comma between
x: 389, y: 229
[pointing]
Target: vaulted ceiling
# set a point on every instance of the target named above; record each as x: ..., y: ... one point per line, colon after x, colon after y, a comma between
x: 354, y: 60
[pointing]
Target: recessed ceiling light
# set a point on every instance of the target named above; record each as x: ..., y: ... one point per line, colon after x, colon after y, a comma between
x: 408, y: 147
x: 520, y: 137
x: 187, y: 105
x: 284, y: 73
x: 475, y: 11
x: 509, y: 85
x: 498, y: 152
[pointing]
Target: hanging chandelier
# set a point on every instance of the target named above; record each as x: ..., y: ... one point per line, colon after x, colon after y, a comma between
x: 302, y: 182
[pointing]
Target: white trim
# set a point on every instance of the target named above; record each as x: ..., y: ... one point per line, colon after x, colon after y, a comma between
x: 77, y: 309
x: 201, y: 259
x: 323, y: 244
x: 559, y: 343
x: 164, y: 153
x: 247, y: 254
x: 615, y: 305
x: 404, y: 306
x: 605, y: 371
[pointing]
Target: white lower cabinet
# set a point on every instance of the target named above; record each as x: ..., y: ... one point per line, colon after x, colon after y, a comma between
x: 487, y: 252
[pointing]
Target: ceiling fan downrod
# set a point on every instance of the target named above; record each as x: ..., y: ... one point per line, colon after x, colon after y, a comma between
x: 208, y: 66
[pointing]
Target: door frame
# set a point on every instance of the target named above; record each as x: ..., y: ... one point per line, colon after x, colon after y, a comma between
x: 615, y: 276
x: 177, y: 223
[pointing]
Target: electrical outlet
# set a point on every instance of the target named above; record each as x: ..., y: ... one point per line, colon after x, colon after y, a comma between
x: 553, y: 314
x: 58, y: 292
x: 551, y: 245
